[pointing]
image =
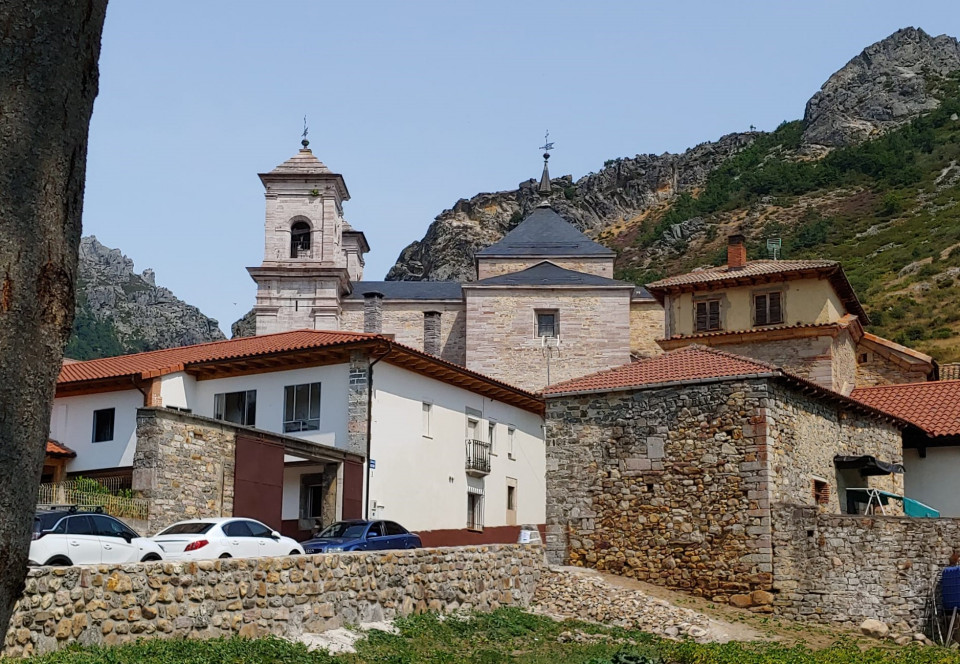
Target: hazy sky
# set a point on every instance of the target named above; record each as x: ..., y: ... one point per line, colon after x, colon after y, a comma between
x: 419, y: 104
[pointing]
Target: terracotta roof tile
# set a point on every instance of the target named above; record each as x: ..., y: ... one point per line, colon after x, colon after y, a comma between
x: 690, y: 363
x: 755, y: 330
x: 934, y: 407
x: 55, y: 449
x: 159, y: 362
x: 751, y: 269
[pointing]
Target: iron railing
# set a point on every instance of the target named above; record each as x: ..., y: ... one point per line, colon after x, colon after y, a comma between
x: 108, y: 493
x: 478, y: 457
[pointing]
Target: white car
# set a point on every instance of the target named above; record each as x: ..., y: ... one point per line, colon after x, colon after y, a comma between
x: 72, y: 537
x: 202, y: 539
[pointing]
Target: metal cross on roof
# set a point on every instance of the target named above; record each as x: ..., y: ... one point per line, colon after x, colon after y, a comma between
x: 547, y: 145
x: 304, y: 142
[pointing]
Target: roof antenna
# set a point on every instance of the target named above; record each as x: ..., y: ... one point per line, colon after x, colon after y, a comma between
x: 545, y: 188
x: 304, y: 142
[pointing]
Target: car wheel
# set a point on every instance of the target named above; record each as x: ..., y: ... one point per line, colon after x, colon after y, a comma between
x: 226, y: 555
x: 294, y: 553
x: 59, y: 561
x: 149, y: 558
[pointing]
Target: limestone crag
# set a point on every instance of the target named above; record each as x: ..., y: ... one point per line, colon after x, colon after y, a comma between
x: 888, y: 84
x: 622, y: 190
x: 131, y: 307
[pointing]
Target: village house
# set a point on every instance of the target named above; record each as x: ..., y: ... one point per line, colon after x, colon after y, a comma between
x: 544, y: 301
x: 304, y: 428
x: 802, y: 315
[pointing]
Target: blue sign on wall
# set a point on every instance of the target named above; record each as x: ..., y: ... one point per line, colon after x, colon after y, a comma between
x: 373, y: 464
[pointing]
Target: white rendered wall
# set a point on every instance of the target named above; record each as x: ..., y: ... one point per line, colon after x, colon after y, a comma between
x: 178, y: 389
x: 333, y: 381
x: 933, y: 481
x: 420, y: 481
x: 72, y: 424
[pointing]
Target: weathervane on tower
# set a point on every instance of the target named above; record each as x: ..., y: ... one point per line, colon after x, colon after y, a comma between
x: 304, y: 142
x: 544, y: 189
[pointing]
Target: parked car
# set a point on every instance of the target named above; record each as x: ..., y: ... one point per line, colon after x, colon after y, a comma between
x: 360, y: 535
x: 69, y: 536
x: 223, y: 538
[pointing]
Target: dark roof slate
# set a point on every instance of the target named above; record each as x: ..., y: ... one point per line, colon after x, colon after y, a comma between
x: 409, y: 290
x: 545, y: 233
x: 548, y: 274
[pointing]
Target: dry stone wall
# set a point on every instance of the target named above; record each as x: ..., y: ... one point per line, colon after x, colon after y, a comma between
x: 259, y: 596
x: 843, y: 569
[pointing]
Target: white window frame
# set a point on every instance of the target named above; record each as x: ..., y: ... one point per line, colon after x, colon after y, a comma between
x: 310, y: 388
x: 426, y: 421
x: 511, y: 441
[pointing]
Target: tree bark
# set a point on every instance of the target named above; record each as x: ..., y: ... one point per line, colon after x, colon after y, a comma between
x: 48, y: 80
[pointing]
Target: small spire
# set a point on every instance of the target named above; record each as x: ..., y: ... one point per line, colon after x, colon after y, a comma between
x: 545, y: 189
x: 304, y: 142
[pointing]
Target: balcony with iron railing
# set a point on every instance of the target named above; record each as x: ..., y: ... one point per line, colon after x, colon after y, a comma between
x: 478, y: 457
x: 109, y: 493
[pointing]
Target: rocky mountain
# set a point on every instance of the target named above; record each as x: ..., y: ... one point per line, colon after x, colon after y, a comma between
x: 120, y: 311
x: 889, y: 83
x: 869, y: 177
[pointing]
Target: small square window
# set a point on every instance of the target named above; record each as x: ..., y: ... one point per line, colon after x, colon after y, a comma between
x: 768, y: 309
x: 548, y: 324
x: 707, y: 315
x: 103, y: 425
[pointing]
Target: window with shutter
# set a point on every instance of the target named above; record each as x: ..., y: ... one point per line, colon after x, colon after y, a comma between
x: 708, y: 315
x: 767, y: 309
x: 701, y: 316
x: 760, y: 310
x: 714, y: 322
x: 775, y: 314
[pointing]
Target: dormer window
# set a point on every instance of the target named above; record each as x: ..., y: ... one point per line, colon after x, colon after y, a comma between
x: 300, y: 240
x: 768, y: 308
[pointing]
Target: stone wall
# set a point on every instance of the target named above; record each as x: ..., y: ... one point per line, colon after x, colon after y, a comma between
x: 259, y: 596
x: 877, y: 370
x: 184, y: 468
x: 404, y: 320
x: 842, y: 569
x: 646, y: 326
x: 358, y: 402
x: 674, y: 485
x: 601, y: 266
x: 807, y: 357
x: 843, y: 358
x: 502, y: 341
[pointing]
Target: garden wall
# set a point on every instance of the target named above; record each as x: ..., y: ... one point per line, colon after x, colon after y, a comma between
x: 259, y: 596
x: 841, y: 569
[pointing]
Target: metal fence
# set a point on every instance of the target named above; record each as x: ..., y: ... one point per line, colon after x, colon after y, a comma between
x: 107, y: 492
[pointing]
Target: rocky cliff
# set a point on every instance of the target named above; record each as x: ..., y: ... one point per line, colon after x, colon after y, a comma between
x: 120, y: 311
x: 888, y: 84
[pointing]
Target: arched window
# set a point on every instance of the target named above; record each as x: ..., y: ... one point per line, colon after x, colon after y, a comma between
x: 299, y: 239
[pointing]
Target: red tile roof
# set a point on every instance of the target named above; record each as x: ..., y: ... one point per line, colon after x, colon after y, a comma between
x: 160, y: 362
x: 55, y: 449
x: 763, y: 271
x: 693, y: 362
x: 934, y: 407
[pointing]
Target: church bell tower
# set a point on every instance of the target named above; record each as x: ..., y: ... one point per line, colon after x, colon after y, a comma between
x: 310, y: 254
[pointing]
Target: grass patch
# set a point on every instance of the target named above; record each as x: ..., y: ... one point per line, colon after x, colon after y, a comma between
x: 506, y: 635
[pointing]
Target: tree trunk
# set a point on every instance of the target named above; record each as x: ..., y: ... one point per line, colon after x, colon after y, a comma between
x: 48, y: 80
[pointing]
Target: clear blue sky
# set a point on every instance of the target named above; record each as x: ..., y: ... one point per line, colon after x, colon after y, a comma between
x: 419, y: 104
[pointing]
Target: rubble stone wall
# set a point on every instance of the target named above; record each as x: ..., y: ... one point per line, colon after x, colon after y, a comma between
x: 807, y: 357
x: 843, y: 569
x: 404, y: 320
x: 259, y: 596
x: 646, y: 326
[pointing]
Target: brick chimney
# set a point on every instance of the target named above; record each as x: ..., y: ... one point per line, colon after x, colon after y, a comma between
x: 373, y: 312
x: 431, y: 332
x: 736, y: 251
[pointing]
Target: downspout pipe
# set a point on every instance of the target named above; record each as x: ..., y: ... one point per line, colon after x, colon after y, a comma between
x: 366, y: 502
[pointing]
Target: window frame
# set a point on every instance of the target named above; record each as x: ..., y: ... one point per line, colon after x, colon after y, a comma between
x: 426, y: 419
x: 475, y: 509
x: 304, y: 424
x: 249, y: 405
x: 298, y: 233
x: 766, y: 294
x: 113, y: 425
x: 511, y: 441
x: 555, y: 313
x: 707, y: 301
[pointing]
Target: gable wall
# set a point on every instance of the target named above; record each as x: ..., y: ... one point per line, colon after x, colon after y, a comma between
x: 601, y: 266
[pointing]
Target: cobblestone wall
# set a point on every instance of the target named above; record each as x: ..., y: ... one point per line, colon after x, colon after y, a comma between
x: 842, y: 569
x: 184, y: 469
x: 259, y: 596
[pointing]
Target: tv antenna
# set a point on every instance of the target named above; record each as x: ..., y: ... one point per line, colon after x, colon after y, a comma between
x: 549, y: 346
x: 774, y: 245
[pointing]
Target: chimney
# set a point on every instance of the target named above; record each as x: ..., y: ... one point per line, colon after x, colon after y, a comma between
x: 431, y: 332
x: 373, y: 312
x: 736, y: 251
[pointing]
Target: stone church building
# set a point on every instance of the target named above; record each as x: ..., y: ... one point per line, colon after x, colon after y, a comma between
x: 544, y: 307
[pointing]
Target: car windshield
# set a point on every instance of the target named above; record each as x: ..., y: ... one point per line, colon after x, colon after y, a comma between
x: 189, y: 528
x: 344, y: 529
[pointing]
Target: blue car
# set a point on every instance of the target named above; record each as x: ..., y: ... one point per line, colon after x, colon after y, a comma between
x: 360, y: 535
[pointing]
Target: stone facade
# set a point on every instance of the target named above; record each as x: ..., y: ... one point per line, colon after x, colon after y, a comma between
x: 674, y: 485
x: 502, y: 342
x: 358, y: 403
x: 646, y: 326
x: 254, y: 597
x: 807, y: 357
x: 880, y: 567
x: 878, y: 370
x: 405, y: 321
x: 602, y: 266
x: 185, y: 469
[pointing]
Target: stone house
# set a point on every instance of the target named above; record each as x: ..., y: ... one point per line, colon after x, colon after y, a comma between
x: 302, y: 427
x: 672, y: 469
x: 544, y: 294
x: 802, y: 315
